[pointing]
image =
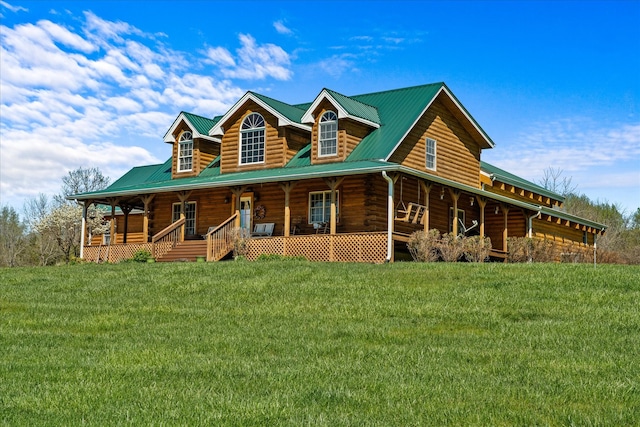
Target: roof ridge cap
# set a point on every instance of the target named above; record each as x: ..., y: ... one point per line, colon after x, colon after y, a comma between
x: 442, y: 84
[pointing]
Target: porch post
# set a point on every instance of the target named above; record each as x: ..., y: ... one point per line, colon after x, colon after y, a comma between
x: 112, y: 230
x: 183, y: 196
x: 287, y: 187
x: 126, y: 210
x: 482, y: 203
x: 145, y: 217
x: 237, y: 192
x: 85, y: 206
x: 333, y: 184
x: 427, y: 190
x: 505, y: 232
x: 455, y: 195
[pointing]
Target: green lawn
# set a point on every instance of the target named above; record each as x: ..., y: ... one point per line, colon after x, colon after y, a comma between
x: 298, y: 343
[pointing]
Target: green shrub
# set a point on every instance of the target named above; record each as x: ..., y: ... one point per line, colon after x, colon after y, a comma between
x: 141, y: 255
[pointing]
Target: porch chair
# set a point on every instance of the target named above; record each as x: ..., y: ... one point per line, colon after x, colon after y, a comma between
x: 263, y: 230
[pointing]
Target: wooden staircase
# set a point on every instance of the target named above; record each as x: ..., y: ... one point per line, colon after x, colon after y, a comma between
x: 186, y: 251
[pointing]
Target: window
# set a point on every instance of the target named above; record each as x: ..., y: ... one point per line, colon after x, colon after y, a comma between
x: 461, y: 222
x: 106, y: 237
x: 252, y: 139
x: 189, y: 216
x: 185, y: 152
x: 320, y: 206
x: 431, y: 154
x: 328, y: 140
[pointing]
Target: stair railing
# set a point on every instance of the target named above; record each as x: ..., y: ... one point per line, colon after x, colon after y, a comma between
x: 220, y: 239
x: 167, y: 239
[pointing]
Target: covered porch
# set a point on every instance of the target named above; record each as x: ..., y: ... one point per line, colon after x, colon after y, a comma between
x: 347, y: 217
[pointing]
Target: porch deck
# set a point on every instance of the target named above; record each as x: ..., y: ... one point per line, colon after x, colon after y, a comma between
x: 346, y: 247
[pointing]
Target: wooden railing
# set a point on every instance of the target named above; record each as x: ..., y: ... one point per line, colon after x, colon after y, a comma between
x: 220, y: 239
x: 165, y: 240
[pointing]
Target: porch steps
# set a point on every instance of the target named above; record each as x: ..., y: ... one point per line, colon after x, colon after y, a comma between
x: 186, y: 251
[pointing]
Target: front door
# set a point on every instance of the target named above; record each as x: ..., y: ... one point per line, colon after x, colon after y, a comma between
x: 245, y: 212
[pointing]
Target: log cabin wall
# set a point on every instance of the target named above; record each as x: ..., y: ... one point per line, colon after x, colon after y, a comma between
x: 557, y: 232
x: 275, y: 142
x: 203, y: 153
x: 457, y: 154
x: 296, y: 139
x: 134, y: 234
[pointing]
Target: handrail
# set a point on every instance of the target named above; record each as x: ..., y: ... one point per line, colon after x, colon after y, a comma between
x: 167, y: 239
x: 220, y: 239
x: 165, y: 231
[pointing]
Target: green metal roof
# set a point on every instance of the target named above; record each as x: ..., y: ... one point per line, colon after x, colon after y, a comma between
x: 356, y: 108
x: 398, y: 110
x: 291, y: 112
x: 202, y: 124
x: 516, y: 181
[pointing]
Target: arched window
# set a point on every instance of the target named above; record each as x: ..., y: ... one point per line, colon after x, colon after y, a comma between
x: 252, y: 139
x: 328, y: 141
x: 185, y: 152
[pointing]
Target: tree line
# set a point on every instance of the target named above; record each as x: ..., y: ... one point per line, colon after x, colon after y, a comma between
x: 48, y: 232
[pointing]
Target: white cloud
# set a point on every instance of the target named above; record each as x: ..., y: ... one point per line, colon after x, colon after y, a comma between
x: 597, y: 158
x: 103, y: 95
x: 13, y: 8
x: 255, y: 62
x: 281, y: 28
x: 219, y: 56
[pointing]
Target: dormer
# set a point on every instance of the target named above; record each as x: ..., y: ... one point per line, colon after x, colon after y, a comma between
x: 193, y: 148
x: 338, y: 123
x: 259, y: 132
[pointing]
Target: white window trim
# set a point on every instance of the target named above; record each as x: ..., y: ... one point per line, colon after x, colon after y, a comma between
x: 195, y: 216
x: 264, y: 140
x: 184, y: 141
x: 326, y: 200
x: 320, y: 140
x: 427, y: 154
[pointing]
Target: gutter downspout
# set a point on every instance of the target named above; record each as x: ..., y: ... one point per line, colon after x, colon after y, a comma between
x: 390, y: 208
x: 530, y: 224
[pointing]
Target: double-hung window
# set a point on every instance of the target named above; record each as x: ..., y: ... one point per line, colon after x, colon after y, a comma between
x: 328, y: 141
x: 252, y: 139
x: 320, y: 206
x: 189, y: 216
x: 431, y: 154
x: 185, y: 152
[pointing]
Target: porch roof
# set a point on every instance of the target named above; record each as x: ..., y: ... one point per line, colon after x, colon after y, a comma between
x: 157, y: 179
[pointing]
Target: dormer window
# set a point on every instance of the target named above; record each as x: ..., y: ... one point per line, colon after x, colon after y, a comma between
x: 328, y: 140
x: 185, y: 152
x: 252, y: 139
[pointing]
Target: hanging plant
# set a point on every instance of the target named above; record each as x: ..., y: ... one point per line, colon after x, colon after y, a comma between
x: 259, y: 212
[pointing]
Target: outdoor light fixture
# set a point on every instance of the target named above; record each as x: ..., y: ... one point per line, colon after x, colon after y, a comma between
x: 496, y: 210
x: 471, y: 200
x: 442, y: 193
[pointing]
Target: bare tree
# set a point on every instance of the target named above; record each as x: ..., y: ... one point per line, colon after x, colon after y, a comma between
x: 553, y: 180
x: 44, y: 245
x: 13, y: 241
x: 81, y: 181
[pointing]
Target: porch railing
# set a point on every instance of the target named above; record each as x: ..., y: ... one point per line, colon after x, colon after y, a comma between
x: 165, y: 240
x: 220, y: 239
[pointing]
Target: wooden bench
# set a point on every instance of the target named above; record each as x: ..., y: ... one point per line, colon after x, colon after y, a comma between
x: 263, y: 230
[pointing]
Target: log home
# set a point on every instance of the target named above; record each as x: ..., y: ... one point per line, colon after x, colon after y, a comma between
x: 341, y: 178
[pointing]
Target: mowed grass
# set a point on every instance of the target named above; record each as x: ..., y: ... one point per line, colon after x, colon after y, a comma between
x: 298, y: 343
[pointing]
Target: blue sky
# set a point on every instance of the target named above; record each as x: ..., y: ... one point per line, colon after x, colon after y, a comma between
x: 98, y: 83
